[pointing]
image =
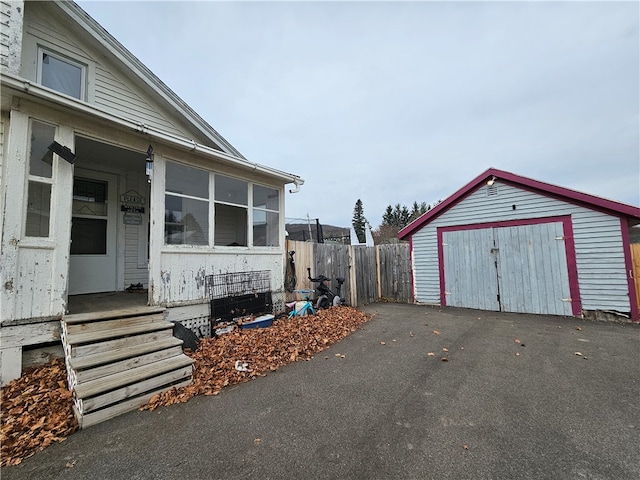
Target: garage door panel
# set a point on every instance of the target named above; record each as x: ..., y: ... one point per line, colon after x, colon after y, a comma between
x: 532, y: 269
x: 470, y: 275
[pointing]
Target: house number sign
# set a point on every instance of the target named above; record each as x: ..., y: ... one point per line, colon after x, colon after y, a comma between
x: 131, y: 202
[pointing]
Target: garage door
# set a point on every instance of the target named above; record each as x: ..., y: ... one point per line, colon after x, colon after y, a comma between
x: 511, y: 269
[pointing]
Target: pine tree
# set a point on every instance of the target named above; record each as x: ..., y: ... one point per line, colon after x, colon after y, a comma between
x: 359, y: 221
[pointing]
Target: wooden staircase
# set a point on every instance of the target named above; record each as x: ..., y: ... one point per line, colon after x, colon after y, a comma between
x: 117, y: 360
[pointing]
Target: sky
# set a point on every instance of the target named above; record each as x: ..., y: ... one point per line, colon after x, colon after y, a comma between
x: 396, y: 102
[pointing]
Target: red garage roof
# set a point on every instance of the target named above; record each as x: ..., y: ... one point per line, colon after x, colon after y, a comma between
x: 572, y: 196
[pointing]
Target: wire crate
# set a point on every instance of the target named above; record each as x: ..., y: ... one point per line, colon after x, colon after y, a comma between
x: 238, y: 294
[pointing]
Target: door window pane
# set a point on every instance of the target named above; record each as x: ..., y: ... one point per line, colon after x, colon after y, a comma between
x: 89, y: 236
x: 38, y: 210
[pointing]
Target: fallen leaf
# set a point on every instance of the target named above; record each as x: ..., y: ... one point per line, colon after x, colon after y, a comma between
x: 383, y: 343
x: 436, y: 332
x: 71, y: 464
x: 445, y: 349
x: 578, y: 328
x: 517, y: 340
x: 518, y: 354
x: 466, y: 447
x: 579, y: 353
x: 431, y: 354
x: 393, y: 340
x: 411, y: 334
x: 444, y: 359
x: 257, y: 441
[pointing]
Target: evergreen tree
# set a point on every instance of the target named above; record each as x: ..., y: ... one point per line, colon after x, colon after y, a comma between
x: 359, y: 221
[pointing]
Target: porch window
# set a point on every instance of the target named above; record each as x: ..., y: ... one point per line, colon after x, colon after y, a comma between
x: 61, y: 74
x: 186, y: 206
x: 40, y: 180
x: 231, y: 212
x: 266, y: 219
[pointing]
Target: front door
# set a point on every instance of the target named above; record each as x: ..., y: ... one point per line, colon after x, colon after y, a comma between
x: 92, y: 265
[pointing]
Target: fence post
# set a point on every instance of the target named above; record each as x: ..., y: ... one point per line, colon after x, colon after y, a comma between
x: 352, y: 278
x: 378, y: 272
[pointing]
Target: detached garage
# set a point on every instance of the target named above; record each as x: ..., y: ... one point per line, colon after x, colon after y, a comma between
x: 509, y: 243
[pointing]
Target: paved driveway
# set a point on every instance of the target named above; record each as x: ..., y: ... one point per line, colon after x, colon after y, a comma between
x: 394, y: 411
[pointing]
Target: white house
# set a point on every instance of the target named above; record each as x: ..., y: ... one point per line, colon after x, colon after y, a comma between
x: 108, y: 180
x: 504, y: 242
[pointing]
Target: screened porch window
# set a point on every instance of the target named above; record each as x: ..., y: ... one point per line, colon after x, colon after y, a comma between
x: 40, y: 180
x: 266, y: 219
x: 231, y: 212
x: 186, y: 206
x: 61, y: 74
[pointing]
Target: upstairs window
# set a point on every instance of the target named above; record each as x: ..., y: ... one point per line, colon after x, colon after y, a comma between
x: 61, y: 74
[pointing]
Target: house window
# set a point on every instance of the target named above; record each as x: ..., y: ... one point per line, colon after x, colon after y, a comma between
x: 231, y: 212
x: 186, y: 206
x: 40, y: 180
x: 236, y: 204
x: 61, y: 74
x: 266, y: 219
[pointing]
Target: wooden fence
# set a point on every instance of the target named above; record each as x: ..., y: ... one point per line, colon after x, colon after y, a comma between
x: 375, y: 273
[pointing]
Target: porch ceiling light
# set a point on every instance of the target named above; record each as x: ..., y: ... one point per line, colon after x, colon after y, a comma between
x: 63, y: 152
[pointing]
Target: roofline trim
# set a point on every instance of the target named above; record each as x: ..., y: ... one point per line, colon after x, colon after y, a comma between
x: 566, y: 194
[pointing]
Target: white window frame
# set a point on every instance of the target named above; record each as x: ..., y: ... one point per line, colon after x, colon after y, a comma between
x: 66, y: 59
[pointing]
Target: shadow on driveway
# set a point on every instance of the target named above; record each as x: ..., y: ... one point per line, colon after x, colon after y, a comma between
x: 518, y: 397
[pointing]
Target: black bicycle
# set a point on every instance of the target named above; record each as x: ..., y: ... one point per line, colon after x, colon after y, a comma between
x: 325, y: 297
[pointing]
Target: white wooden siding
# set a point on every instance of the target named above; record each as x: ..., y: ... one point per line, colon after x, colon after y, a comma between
x: 183, y: 273
x: 108, y: 88
x: 5, y: 16
x: 135, y: 236
x: 597, y: 239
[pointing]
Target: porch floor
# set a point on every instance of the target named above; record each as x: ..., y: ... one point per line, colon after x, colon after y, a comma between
x: 99, y: 302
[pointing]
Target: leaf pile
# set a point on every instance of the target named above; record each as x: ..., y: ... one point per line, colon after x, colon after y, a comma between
x: 262, y: 349
x: 36, y: 411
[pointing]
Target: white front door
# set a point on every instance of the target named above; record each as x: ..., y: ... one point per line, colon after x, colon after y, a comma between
x: 92, y: 264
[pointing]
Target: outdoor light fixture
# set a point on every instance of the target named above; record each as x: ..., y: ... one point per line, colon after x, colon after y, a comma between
x: 148, y: 169
x: 63, y: 152
x: 491, y: 180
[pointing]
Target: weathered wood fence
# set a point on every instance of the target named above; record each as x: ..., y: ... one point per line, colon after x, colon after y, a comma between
x: 371, y: 274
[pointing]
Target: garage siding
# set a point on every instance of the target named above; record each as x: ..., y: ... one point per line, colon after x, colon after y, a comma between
x: 597, y: 239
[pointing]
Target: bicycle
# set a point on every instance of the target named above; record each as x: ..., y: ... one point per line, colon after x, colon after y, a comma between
x: 302, y: 308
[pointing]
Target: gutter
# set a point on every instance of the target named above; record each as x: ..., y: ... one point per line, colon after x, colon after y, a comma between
x: 33, y: 89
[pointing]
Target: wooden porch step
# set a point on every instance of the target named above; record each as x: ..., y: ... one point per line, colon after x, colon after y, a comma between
x: 128, y: 377
x: 108, y: 334
x: 109, y: 314
x: 114, y: 323
x: 116, y: 354
x: 98, y: 416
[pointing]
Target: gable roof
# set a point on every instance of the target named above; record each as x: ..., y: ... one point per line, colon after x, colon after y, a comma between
x: 126, y: 59
x: 572, y: 196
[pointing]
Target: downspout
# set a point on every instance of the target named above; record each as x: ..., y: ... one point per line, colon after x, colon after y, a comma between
x: 298, y: 182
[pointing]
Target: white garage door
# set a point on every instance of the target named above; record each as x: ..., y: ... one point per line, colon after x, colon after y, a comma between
x: 512, y: 269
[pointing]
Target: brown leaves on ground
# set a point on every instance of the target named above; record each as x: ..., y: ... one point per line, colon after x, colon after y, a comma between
x: 263, y: 349
x: 36, y: 411
x: 37, y: 408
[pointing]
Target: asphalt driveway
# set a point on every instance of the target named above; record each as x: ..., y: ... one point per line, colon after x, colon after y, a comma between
x: 512, y: 401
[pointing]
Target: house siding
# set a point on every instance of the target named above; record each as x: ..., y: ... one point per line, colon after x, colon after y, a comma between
x: 107, y: 87
x: 597, y: 238
x: 5, y: 16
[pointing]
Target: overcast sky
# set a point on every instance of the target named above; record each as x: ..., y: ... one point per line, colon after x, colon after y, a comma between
x: 396, y: 102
